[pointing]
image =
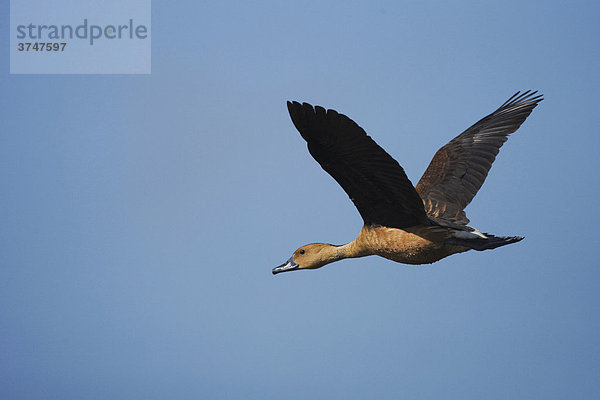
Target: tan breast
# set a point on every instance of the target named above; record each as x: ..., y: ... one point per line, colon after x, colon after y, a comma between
x: 415, y: 245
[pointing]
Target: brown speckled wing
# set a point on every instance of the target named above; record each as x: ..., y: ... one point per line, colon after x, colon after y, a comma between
x: 375, y: 182
x: 458, y: 169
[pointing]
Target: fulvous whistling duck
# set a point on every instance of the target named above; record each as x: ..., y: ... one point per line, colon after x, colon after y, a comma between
x: 403, y: 223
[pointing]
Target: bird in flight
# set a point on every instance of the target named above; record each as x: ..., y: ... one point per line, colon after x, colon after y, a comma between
x: 404, y: 223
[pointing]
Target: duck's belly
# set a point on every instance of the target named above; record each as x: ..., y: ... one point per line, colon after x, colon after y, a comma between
x: 415, y: 245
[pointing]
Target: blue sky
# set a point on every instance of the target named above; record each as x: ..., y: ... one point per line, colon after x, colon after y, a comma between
x: 141, y: 215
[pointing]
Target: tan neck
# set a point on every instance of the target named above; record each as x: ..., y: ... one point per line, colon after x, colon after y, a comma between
x: 351, y: 250
x: 327, y: 253
x: 324, y: 253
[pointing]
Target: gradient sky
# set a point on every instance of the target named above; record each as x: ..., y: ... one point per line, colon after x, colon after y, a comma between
x: 140, y: 216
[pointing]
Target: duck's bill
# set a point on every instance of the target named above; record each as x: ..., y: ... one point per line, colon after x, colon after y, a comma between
x: 289, y: 265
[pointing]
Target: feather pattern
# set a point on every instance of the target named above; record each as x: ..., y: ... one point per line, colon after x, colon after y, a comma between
x: 458, y: 169
x: 374, y: 181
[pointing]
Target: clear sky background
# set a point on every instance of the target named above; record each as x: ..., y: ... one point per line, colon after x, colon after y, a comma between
x: 140, y: 216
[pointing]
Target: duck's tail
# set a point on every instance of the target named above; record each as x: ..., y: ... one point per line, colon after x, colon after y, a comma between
x: 487, y: 242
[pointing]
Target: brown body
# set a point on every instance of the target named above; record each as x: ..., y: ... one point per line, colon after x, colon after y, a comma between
x: 404, y: 223
x: 414, y: 245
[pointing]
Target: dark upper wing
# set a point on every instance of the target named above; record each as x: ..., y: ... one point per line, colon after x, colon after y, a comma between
x: 458, y: 169
x: 375, y: 182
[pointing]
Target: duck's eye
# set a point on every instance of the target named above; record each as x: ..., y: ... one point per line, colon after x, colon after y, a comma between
x: 302, y: 251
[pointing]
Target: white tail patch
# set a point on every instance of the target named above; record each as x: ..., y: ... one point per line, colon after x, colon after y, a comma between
x: 475, y: 234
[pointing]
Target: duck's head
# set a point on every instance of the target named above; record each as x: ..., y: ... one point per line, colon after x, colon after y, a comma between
x: 310, y: 256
